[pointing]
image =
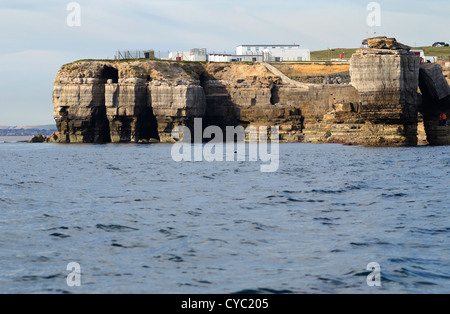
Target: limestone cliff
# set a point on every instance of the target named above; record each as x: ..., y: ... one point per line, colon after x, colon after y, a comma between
x: 124, y: 102
x: 387, y: 81
x: 435, y: 102
x: 446, y: 71
x: 140, y: 101
x: 143, y: 100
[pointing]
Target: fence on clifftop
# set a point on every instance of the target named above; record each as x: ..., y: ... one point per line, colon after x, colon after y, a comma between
x: 138, y: 54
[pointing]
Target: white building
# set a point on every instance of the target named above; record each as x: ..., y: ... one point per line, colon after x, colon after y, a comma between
x: 365, y: 44
x: 179, y: 56
x: 195, y: 54
x: 421, y: 54
x: 235, y: 58
x: 276, y: 53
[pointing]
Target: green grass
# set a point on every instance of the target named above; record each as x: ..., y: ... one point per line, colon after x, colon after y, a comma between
x: 440, y: 52
x: 89, y: 60
x: 112, y: 60
x: 132, y: 60
x: 435, y: 51
x: 332, y: 53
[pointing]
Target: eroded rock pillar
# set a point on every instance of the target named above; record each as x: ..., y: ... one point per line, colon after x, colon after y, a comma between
x: 127, y: 111
x: 387, y: 81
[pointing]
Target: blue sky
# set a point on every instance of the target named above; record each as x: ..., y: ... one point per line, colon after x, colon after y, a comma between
x: 36, y: 40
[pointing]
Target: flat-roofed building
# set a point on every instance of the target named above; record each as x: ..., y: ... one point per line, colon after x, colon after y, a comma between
x: 275, y: 53
x: 235, y: 58
x: 195, y: 54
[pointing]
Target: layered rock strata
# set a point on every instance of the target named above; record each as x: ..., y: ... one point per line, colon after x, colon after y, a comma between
x: 387, y: 81
x: 102, y: 102
x: 141, y: 101
x: 435, y: 103
x: 446, y: 72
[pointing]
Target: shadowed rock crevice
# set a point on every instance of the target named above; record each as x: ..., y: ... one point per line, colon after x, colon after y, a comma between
x: 101, y: 133
x: 109, y: 73
x: 274, y: 97
x: 436, y: 102
x: 220, y: 109
x: 147, y: 126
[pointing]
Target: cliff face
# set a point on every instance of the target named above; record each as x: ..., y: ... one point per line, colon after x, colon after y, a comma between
x: 260, y: 95
x: 446, y: 71
x: 101, y: 102
x: 388, y: 82
x: 138, y: 101
x: 124, y: 102
x: 435, y: 102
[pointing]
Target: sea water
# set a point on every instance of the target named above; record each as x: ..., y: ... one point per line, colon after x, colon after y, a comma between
x: 136, y: 221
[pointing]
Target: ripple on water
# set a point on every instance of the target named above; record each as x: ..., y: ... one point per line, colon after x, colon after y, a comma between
x: 263, y: 291
x: 327, y: 191
x: 393, y: 195
x: 114, y: 243
x: 115, y: 228
x: 6, y: 201
x: 60, y: 235
x: 150, y: 224
x: 430, y: 231
x: 39, y: 278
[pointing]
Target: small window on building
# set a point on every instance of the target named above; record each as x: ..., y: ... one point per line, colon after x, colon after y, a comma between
x: 257, y: 49
x: 249, y: 48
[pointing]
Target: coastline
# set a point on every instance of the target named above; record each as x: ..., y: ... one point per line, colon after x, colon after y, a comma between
x: 142, y: 101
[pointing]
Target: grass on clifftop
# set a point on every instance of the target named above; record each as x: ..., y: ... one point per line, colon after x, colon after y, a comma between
x: 332, y: 53
x: 440, y: 52
x: 111, y: 60
x: 323, y: 55
x: 130, y: 60
x: 435, y: 51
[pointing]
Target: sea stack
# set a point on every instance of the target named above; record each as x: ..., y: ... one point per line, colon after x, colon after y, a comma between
x: 387, y: 78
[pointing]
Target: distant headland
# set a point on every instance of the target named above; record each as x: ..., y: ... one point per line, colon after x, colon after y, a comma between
x: 27, y: 130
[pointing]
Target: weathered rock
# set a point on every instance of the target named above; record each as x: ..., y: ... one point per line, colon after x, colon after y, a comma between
x: 435, y: 102
x: 79, y: 111
x: 386, y: 43
x: 387, y: 81
x: 143, y: 101
x: 129, y: 115
x: 437, y: 135
x: 432, y: 82
x: 54, y: 138
x: 446, y: 72
x: 91, y: 103
x: 39, y: 139
x: 79, y: 101
x: 175, y: 105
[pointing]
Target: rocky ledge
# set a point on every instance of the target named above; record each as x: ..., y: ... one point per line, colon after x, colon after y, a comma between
x: 143, y: 101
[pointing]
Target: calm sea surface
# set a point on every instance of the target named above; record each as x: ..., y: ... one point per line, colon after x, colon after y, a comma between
x: 138, y: 222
